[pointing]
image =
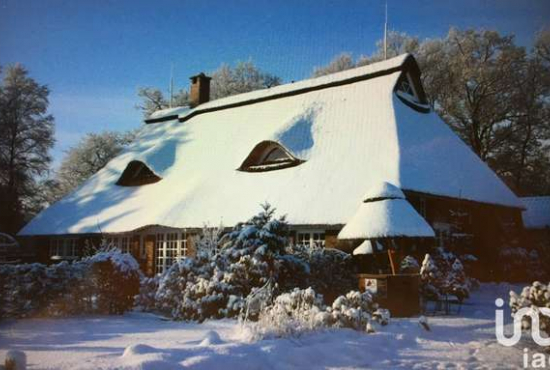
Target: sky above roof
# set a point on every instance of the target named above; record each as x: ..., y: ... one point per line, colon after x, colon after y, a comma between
x: 95, y: 54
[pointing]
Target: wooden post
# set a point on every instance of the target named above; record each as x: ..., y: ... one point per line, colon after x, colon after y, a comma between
x: 392, y: 265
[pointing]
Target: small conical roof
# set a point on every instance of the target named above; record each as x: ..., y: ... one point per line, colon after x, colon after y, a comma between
x: 385, y: 213
x: 383, y: 190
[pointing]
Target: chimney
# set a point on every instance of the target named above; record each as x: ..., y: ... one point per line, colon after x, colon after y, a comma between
x: 200, y: 89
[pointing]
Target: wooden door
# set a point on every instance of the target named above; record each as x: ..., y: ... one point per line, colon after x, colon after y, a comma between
x: 150, y: 254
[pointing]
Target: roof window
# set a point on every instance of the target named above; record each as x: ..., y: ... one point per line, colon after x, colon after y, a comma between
x: 136, y: 174
x: 268, y: 156
x: 409, y: 91
x: 406, y: 87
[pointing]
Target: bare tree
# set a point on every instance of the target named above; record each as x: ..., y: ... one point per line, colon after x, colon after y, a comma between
x: 27, y: 136
x: 245, y: 77
x: 524, y: 160
x: 339, y: 63
x: 226, y: 81
x: 476, y: 85
x: 153, y: 100
x: 397, y: 43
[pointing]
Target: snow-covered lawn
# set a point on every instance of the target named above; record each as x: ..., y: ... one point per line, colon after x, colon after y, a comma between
x: 144, y: 341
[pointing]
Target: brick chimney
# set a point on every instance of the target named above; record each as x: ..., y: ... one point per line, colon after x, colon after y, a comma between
x: 200, y: 89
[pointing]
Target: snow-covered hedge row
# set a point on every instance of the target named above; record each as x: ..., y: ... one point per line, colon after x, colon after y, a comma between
x: 303, y: 310
x: 535, y: 295
x: 103, y: 283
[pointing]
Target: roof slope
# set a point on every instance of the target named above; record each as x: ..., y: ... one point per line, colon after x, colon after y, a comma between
x: 537, y: 213
x: 350, y: 135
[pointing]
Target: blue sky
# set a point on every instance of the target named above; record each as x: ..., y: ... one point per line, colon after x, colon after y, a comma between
x: 95, y: 54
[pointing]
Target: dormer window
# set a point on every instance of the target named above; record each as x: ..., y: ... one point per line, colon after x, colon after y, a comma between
x: 406, y: 87
x: 409, y: 90
x: 268, y: 156
x: 136, y: 174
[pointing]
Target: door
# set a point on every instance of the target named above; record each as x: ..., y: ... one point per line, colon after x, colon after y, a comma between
x: 149, y: 243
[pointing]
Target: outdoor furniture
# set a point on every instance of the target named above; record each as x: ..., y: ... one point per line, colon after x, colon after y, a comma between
x: 447, y: 304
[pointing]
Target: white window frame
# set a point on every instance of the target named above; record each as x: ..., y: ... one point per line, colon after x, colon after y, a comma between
x: 122, y: 243
x: 315, y: 237
x: 405, y: 94
x: 169, y: 247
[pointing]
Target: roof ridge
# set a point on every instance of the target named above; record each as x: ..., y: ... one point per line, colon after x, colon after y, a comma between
x: 293, y: 88
x: 318, y: 83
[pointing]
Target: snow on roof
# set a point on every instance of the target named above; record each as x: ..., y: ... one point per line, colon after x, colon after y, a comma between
x: 167, y: 114
x: 383, y: 190
x: 387, y: 218
x: 308, y: 84
x: 537, y: 213
x: 367, y: 247
x: 351, y: 135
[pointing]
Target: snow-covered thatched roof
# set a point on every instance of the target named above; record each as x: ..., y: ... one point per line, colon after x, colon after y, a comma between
x: 383, y: 190
x: 537, y: 213
x: 345, y: 132
x: 368, y: 247
x: 385, y: 214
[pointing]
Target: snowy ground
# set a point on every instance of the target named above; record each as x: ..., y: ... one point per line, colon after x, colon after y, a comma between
x: 466, y: 341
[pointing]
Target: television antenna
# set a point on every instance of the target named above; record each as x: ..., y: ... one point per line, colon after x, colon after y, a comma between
x: 386, y: 33
x: 171, y: 84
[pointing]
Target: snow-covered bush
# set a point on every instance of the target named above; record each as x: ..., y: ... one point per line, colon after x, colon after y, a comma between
x: 354, y: 310
x: 535, y: 295
x: 303, y: 310
x: 443, y: 274
x: 104, y: 283
x: 148, y: 287
x: 114, y: 278
x: 431, y: 277
x: 328, y: 271
x: 291, y: 314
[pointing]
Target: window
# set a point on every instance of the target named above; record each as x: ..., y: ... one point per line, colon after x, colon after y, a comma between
x: 125, y: 244
x: 64, y: 248
x: 268, y: 156
x: 170, y: 247
x: 405, y: 86
x: 121, y: 243
x: 136, y: 174
x: 311, y: 238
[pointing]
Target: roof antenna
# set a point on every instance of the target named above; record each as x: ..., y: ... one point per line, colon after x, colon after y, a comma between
x: 386, y: 33
x: 171, y: 84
